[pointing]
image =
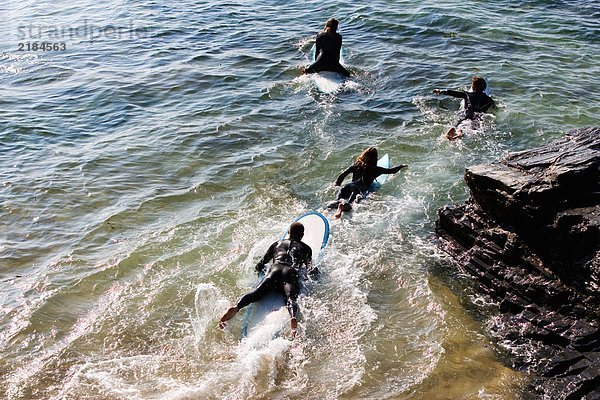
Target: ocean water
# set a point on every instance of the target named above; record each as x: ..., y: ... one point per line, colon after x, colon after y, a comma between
x: 151, y: 153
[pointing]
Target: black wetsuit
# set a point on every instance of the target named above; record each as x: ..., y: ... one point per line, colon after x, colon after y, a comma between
x: 288, y: 257
x: 475, y: 102
x: 327, y: 54
x: 362, y: 178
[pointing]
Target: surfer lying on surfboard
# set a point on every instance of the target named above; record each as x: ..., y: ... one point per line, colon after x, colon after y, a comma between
x: 288, y: 256
x: 364, y: 171
x: 477, y: 102
x: 327, y: 53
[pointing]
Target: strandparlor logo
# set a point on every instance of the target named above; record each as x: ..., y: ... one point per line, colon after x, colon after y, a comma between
x: 40, y: 37
x: 83, y: 31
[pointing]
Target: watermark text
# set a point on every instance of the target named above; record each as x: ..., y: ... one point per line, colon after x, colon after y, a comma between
x: 83, y: 31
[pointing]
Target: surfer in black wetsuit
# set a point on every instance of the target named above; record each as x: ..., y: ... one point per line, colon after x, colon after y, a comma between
x: 476, y: 103
x: 290, y: 258
x: 327, y: 51
x: 364, y: 172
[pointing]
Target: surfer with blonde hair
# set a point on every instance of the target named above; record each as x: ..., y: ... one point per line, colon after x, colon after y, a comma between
x: 364, y: 171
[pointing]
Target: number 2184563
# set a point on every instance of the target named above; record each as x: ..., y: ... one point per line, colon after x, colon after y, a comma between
x: 42, y: 46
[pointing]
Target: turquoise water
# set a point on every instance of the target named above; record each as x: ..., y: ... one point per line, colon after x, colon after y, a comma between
x: 146, y: 168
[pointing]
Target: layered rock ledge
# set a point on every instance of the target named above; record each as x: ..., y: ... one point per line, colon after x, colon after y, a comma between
x: 529, y: 236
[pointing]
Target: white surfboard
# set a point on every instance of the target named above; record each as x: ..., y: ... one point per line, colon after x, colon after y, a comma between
x: 316, y: 235
x: 328, y: 81
x: 380, y: 180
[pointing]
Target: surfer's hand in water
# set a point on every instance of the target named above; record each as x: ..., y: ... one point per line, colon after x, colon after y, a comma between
x: 436, y: 91
x: 227, y: 316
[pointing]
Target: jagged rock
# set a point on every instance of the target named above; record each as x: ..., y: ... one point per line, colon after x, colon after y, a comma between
x: 530, y: 237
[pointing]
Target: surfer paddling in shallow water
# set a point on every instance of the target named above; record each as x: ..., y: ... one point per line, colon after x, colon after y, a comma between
x: 289, y: 256
x: 364, y: 171
x: 327, y: 51
x: 476, y: 103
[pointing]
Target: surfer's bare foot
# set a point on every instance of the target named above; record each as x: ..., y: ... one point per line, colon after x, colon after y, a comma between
x: 294, y: 326
x: 339, y: 211
x: 452, y: 133
x: 227, y: 316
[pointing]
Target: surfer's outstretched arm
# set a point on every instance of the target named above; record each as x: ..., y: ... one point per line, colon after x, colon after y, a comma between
x: 393, y: 170
x: 453, y: 93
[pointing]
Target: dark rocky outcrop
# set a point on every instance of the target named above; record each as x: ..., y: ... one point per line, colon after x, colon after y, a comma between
x: 530, y: 237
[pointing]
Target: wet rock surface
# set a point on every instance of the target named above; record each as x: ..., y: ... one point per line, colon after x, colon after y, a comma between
x: 529, y: 236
